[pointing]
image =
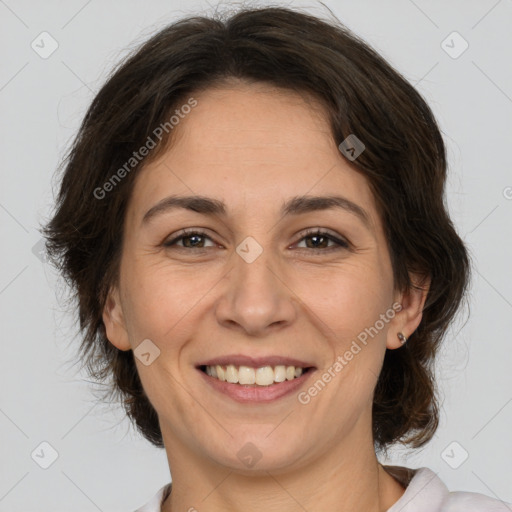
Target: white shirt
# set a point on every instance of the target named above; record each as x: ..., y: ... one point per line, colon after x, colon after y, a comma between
x: 424, y: 492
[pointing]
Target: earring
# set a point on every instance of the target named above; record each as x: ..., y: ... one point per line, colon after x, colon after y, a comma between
x: 402, y: 338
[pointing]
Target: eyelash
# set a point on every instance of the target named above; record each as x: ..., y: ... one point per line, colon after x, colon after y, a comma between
x: 187, y: 233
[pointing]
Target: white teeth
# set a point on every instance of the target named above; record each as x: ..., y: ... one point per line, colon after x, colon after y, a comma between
x: 265, y: 376
x: 280, y: 373
x: 231, y: 374
x: 211, y: 371
x: 221, y: 374
x: 245, y: 375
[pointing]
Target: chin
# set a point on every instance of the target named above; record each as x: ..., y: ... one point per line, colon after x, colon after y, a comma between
x: 260, y: 452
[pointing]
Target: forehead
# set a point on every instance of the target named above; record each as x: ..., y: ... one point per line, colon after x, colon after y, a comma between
x: 252, y: 144
x: 254, y: 120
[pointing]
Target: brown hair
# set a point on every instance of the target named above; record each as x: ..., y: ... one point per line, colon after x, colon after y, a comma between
x: 404, y: 163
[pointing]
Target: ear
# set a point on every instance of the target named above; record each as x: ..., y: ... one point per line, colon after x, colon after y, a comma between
x: 409, y: 317
x: 113, y: 318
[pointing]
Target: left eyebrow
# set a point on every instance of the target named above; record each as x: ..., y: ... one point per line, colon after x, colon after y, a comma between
x: 294, y: 206
x: 305, y: 204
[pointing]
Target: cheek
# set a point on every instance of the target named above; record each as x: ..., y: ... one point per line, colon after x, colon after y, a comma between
x: 346, y: 296
x: 350, y: 297
x: 159, y: 297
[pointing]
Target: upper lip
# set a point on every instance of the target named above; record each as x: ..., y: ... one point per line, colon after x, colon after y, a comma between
x: 255, y: 362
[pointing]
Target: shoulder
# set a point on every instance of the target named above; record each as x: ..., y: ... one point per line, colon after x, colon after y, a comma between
x: 426, y: 492
x: 155, y: 504
x: 474, y: 502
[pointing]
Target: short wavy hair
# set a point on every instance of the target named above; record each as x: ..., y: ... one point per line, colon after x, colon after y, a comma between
x: 404, y: 164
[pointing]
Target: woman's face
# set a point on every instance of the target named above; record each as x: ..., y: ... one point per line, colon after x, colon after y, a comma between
x: 256, y: 284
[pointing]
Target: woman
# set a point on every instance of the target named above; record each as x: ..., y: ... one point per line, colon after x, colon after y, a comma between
x: 252, y: 218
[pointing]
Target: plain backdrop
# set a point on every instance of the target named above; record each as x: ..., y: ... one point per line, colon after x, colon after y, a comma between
x: 102, y: 463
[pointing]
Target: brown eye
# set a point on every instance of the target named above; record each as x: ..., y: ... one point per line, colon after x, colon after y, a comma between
x: 191, y: 240
x: 320, y: 240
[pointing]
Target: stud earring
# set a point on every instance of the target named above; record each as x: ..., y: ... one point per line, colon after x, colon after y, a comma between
x: 402, y: 338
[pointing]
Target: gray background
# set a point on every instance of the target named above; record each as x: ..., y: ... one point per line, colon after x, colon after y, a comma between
x: 103, y: 464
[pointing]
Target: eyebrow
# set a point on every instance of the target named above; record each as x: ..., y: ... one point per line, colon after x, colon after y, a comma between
x: 295, y: 206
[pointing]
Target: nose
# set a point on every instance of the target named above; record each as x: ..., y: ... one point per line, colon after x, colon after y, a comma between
x: 257, y: 297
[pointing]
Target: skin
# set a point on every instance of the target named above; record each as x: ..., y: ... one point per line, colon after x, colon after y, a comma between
x: 254, y: 147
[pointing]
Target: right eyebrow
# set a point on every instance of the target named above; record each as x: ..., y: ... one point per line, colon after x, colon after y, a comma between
x: 199, y: 204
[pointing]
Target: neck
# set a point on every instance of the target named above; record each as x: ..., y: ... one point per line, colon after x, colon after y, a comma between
x: 346, y: 478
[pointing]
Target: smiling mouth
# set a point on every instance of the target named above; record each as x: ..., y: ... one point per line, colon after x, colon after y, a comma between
x: 254, y: 377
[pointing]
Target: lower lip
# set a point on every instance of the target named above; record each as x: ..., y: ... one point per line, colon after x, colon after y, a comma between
x: 245, y: 394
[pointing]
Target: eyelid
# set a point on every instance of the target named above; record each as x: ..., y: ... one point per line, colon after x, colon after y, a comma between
x: 341, y: 242
x: 185, y: 232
